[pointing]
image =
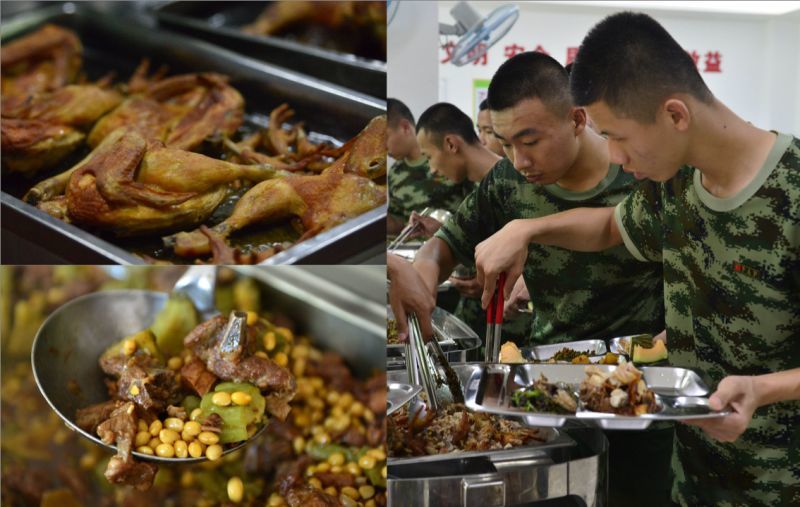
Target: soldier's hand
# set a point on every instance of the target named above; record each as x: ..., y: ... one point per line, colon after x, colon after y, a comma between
x: 739, y: 394
x: 409, y: 294
x: 468, y: 287
x: 519, y: 298
x: 425, y: 226
x: 661, y: 336
x: 504, y: 251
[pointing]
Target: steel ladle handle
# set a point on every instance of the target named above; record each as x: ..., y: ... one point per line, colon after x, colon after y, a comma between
x: 198, y: 283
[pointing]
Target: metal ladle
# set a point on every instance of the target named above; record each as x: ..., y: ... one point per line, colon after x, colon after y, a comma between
x: 67, y: 347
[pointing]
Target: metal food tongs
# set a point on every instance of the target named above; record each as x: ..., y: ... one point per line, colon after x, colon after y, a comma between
x: 427, y: 366
x: 437, y: 214
x: 494, y: 321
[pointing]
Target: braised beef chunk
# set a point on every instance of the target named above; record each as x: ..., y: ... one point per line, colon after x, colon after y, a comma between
x: 23, y: 486
x: 150, y: 388
x: 196, y: 377
x: 308, y: 496
x: 333, y: 370
x: 113, y: 365
x: 120, y: 429
x: 178, y: 412
x: 212, y: 423
x: 337, y: 480
x: 89, y: 418
x: 226, y: 346
x: 131, y: 473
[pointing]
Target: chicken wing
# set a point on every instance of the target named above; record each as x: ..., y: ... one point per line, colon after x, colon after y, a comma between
x: 182, y: 111
x: 44, y: 60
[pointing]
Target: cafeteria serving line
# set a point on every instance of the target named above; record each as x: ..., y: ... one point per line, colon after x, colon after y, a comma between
x: 630, y: 154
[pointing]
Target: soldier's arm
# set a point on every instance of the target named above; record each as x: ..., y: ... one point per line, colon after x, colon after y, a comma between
x: 434, y: 262
x: 581, y: 229
x: 743, y: 395
x: 408, y: 294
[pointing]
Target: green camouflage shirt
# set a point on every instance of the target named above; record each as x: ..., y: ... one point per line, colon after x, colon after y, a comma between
x: 576, y: 295
x: 414, y: 187
x: 732, y: 299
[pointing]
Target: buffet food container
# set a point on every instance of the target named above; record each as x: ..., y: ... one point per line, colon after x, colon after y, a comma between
x: 220, y: 23
x: 112, y: 43
x: 571, y: 462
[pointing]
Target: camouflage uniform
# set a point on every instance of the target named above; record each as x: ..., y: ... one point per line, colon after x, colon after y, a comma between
x: 579, y: 296
x: 576, y: 295
x: 732, y: 288
x: 412, y: 187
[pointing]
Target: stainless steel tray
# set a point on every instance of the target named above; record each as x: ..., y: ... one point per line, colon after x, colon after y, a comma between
x: 552, y: 437
x: 455, y: 337
x: 678, y: 393
x: 114, y: 43
x: 399, y: 394
x: 545, y: 352
x: 220, y: 23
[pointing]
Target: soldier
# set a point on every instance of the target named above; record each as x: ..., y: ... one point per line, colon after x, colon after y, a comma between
x: 446, y: 136
x: 412, y: 186
x: 559, y: 165
x: 485, y: 132
x: 722, y: 213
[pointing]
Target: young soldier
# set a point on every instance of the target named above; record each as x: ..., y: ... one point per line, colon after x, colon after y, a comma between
x: 412, y: 186
x: 446, y: 136
x: 485, y: 132
x: 558, y: 164
x: 722, y: 213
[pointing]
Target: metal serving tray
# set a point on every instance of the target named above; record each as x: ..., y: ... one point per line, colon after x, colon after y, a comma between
x: 678, y: 393
x: 545, y: 352
x: 113, y: 43
x: 221, y: 22
x: 455, y: 337
x: 552, y: 437
x: 399, y: 394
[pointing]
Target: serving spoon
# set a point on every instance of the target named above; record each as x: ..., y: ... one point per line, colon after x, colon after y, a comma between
x: 67, y: 347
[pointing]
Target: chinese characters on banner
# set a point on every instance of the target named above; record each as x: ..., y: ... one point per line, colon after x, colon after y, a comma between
x: 709, y: 61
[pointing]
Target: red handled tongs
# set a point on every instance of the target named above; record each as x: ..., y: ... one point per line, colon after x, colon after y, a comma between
x: 494, y: 321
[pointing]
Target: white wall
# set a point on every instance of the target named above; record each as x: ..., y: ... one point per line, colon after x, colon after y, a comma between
x: 760, y: 78
x: 413, y: 67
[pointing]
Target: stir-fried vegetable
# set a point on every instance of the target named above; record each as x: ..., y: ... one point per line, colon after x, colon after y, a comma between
x: 173, y: 323
x: 235, y: 418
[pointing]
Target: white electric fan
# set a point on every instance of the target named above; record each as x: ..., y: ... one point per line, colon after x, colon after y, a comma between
x: 473, y: 30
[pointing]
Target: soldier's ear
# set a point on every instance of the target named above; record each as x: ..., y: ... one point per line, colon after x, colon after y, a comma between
x: 451, y: 143
x: 578, y: 118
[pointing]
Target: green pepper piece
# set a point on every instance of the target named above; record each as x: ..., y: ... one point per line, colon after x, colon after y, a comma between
x: 173, y: 323
x: 145, y: 342
x: 235, y: 418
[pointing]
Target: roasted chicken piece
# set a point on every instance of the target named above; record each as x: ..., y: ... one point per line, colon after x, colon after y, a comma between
x: 30, y: 145
x: 182, y: 111
x: 319, y: 201
x: 44, y: 60
x: 349, y: 15
x: 131, y: 186
x: 42, y: 131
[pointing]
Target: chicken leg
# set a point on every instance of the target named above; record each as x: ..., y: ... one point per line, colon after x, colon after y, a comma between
x: 130, y: 186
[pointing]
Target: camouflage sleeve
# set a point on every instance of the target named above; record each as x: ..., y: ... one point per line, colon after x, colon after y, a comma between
x: 638, y: 217
x: 395, y: 201
x: 474, y: 221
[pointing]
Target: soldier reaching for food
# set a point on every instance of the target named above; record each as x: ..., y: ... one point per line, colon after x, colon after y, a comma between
x: 559, y: 164
x: 721, y: 212
x: 446, y: 136
x: 412, y: 185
